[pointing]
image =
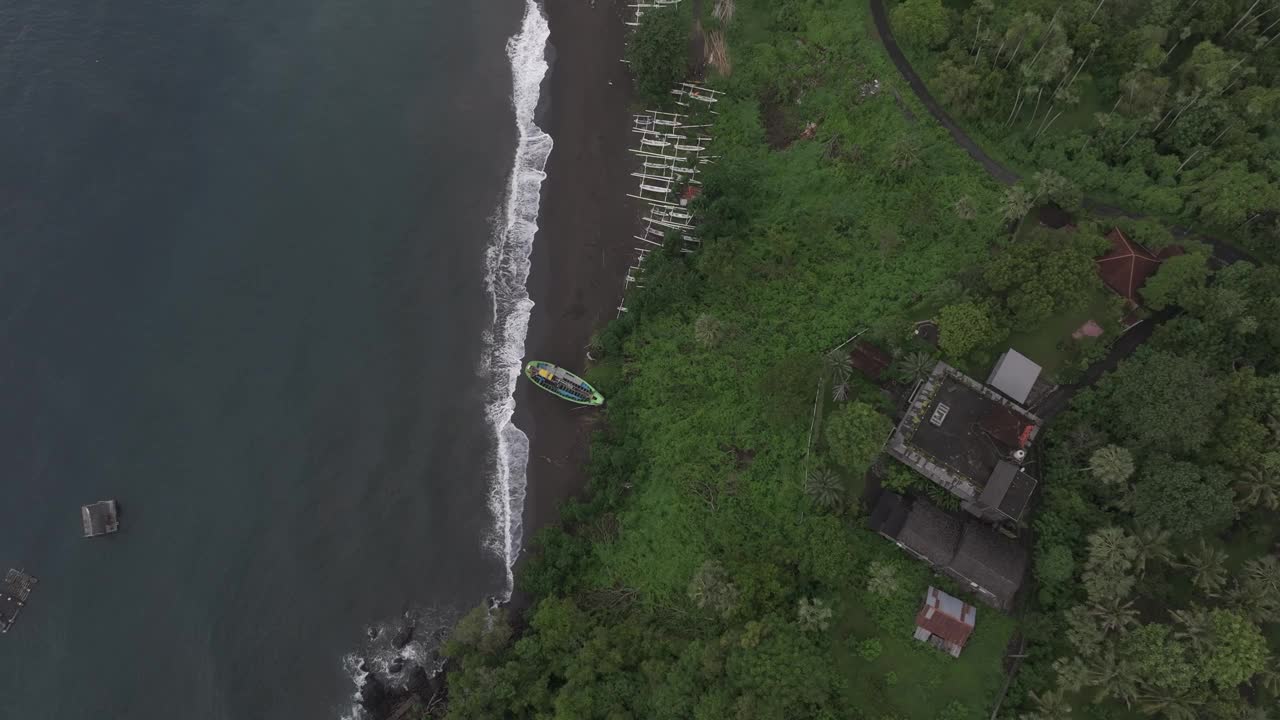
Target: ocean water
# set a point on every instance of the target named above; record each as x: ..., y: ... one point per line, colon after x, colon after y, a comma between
x: 262, y: 281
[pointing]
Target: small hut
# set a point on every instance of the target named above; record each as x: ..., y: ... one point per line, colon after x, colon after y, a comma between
x: 100, y: 518
x: 945, y: 622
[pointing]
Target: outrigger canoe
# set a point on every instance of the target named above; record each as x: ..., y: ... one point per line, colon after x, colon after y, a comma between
x: 562, y: 383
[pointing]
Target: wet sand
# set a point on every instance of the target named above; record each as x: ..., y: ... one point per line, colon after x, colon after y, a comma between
x: 584, y: 242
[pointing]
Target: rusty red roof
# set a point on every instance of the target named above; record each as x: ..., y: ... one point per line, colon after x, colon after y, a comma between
x: 1126, y: 266
x: 947, y: 617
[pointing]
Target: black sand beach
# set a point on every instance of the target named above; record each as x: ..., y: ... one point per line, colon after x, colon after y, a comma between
x: 584, y: 243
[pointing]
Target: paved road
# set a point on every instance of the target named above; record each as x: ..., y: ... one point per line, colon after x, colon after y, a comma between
x: 1222, y: 252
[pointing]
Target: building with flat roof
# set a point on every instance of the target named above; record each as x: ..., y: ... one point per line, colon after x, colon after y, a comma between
x: 1014, y: 375
x: 970, y: 440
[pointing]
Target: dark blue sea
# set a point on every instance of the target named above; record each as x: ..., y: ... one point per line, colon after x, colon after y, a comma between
x: 260, y: 271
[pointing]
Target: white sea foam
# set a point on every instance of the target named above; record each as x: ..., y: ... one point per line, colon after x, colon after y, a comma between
x: 508, y: 270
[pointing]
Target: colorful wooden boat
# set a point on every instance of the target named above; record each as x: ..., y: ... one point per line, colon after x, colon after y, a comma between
x: 562, y: 383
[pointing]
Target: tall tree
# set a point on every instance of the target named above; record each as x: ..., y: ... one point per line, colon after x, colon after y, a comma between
x: 1160, y: 400
x: 1207, y: 565
x: 824, y: 488
x: 913, y: 366
x: 1259, y: 483
x: 965, y: 327
x: 1178, y: 494
x: 1016, y: 203
x: 657, y: 53
x: 1111, y: 464
x: 855, y: 434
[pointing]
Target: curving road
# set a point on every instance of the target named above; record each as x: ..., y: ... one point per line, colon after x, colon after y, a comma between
x: 1222, y: 252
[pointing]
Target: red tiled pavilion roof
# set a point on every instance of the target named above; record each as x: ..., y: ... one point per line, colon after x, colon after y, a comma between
x: 1126, y: 266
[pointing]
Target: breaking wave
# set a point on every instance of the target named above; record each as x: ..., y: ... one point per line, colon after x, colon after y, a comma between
x: 507, y: 271
x: 507, y: 263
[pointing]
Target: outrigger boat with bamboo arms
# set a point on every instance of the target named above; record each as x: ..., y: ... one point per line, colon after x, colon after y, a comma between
x: 562, y: 383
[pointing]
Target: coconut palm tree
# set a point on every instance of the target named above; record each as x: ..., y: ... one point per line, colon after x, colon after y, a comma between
x: 1111, y: 549
x: 882, y: 579
x: 964, y: 208
x: 1114, y: 678
x: 1017, y: 202
x: 1050, y: 705
x: 1171, y: 706
x: 1259, y: 485
x: 707, y: 330
x: 1194, y: 627
x: 839, y: 362
x: 1153, y: 545
x: 1114, y: 614
x: 1264, y: 572
x: 824, y: 488
x: 1111, y: 464
x: 1208, y: 568
x: 1073, y: 674
x: 840, y: 389
x: 913, y: 366
x: 1269, y: 678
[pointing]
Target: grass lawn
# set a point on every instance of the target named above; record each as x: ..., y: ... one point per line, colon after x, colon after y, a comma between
x: 1041, y: 344
x: 912, y: 681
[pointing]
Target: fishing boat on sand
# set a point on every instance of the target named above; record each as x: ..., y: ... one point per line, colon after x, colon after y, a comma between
x: 562, y: 383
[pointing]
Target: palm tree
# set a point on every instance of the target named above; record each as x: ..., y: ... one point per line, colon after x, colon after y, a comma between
x: 1111, y: 549
x: 1115, y: 614
x: 914, y: 366
x: 839, y: 363
x: 1073, y: 674
x: 707, y: 330
x: 882, y: 579
x: 1208, y: 568
x: 1269, y: 678
x: 1114, y: 678
x: 1017, y: 202
x: 824, y: 488
x: 964, y: 208
x: 840, y: 390
x: 1194, y: 627
x: 1257, y: 592
x: 1111, y: 464
x: 1051, y: 705
x: 1265, y: 572
x: 1153, y: 544
x: 1259, y: 485
x: 1173, y: 707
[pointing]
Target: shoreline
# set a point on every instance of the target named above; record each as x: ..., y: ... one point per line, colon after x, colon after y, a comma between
x: 583, y: 245
x: 581, y: 252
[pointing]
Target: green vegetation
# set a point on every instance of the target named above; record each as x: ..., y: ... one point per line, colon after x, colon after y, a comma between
x: 657, y: 51
x: 1168, y: 108
x: 719, y: 566
x: 1160, y: 582
x: 696, y: 577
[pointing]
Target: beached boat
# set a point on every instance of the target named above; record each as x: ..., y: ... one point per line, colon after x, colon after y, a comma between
x: 560, y: 382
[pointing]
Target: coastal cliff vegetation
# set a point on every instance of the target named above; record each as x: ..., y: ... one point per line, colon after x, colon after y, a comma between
x: 719, y: 565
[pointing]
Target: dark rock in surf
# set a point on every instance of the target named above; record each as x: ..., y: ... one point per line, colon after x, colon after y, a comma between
x: 418, y: 682
x: 396, y: 666
x: 403, y: 636
x: 374, y: 633
x: 373, y: 694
